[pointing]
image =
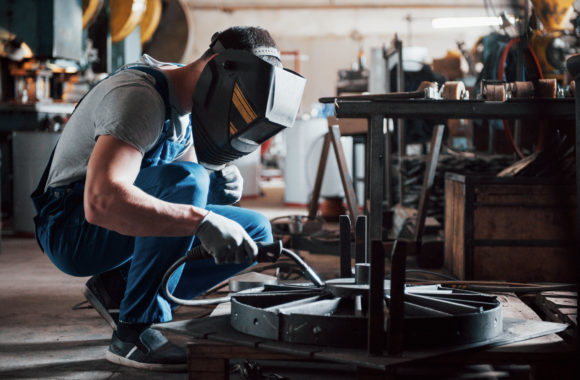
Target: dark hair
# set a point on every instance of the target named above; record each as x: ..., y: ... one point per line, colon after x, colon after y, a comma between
x: 243, y: 38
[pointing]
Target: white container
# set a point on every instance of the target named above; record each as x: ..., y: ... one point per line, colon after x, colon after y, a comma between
x: 250, y: 167
x: 303, y: 147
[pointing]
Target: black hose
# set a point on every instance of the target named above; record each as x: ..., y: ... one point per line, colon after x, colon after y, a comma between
x: 307, y: 270
x: 195, y: 253
x: 266, y: 253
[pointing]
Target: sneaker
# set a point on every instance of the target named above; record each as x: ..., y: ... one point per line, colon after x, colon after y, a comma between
x: 152, y: 351
x: 105, y: 302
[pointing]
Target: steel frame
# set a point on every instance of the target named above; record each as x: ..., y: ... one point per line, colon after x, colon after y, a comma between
x: 376, y: 110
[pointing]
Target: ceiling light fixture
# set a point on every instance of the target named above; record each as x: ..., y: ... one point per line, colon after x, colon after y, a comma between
x: 470, y: 22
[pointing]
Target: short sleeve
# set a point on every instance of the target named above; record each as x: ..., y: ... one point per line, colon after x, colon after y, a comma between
x: 132, y: 113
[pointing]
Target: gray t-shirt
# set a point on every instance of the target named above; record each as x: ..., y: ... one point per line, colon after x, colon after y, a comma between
x: 125, y: 105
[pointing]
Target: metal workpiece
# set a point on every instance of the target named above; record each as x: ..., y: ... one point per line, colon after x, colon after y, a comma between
x: 376, y: 324
x: 345, y: 246
x: 376, y: 144
x: 362, y: 273
x: 361, y: 239
x: 396, y: 322
x: 367, y: 311
x: 434, y: 316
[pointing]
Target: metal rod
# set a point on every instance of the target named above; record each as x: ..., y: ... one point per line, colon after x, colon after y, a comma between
x: 412, y: 309
x: 388, y: 182
x: 428, y: 181
x: 522, y: 47
x: 345, y: 246
x: 401, y: 147
x: 347, y: 184
x: 376, y: 168
x: 313, y: 210
x: 361, y: 240
x: 376, y: 322
x: 325, y: 306
x: 302, y: 301
x: 395, y: 323
x: 443, y: 305
x: 378, y: 97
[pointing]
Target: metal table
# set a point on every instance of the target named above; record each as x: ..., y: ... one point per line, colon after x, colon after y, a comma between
x: 33, y: 116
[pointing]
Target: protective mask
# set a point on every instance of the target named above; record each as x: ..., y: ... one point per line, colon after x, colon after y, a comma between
x: 239, y: 102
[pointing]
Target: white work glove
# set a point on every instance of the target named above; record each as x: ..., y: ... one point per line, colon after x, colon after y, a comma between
x: 225, y: 240
x: 226, y: 186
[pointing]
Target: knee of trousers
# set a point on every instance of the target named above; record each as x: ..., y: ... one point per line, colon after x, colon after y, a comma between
x: 181, y: 182
x: 261, y: 229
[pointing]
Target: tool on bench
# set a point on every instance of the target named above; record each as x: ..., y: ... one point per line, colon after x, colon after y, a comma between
x: 267, y: 252
x: 423, y: 92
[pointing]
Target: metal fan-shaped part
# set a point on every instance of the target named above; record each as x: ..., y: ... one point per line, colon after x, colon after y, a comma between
x: 336, y: 315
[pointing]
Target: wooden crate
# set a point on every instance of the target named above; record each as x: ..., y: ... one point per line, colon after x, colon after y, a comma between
x: 512, y: 229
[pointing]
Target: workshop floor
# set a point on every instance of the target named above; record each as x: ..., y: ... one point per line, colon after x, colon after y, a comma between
x: 42, y: 337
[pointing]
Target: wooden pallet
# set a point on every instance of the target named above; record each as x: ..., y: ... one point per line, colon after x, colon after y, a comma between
x: 561, y: 307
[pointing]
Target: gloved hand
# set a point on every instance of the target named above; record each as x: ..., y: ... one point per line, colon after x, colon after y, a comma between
x: 225, y: 240
x: 225, y: 187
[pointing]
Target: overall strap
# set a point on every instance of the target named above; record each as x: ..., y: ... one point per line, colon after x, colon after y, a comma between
x: 42, y: 184
x: 160, y: 85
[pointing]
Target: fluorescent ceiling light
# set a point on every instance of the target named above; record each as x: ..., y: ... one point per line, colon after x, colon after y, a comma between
x: 469, y: 22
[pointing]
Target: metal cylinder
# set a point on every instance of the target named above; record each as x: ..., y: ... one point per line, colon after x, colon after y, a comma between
x: 362, y: 273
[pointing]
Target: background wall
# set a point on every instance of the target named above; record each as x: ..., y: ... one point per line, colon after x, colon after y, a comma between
x: 329, y: 33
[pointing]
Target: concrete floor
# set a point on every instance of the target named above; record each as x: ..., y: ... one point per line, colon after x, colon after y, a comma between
x: 40, y: 335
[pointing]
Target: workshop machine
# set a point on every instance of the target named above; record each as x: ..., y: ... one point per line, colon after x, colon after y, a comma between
x: 51, y: 53
x: 549, y: 42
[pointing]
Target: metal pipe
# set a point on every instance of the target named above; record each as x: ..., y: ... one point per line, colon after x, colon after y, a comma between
x: 361, y: 239
x: 400, y: 122
x: 345, y: 246
x: 396, y: 321
x: 376, y: 320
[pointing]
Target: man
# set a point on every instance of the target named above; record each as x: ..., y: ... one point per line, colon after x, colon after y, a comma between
x: 127, y: 191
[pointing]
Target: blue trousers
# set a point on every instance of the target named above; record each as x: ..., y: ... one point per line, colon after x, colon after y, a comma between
x: 82, y: 249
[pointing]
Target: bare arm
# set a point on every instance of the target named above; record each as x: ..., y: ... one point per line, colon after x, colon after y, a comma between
x: 112, y: 201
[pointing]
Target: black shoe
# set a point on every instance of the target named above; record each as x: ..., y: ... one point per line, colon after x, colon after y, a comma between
x: 152, y: 351
x: 105, y: 295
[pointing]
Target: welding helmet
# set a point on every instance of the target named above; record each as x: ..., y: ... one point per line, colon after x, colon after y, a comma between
x: 239, y: 102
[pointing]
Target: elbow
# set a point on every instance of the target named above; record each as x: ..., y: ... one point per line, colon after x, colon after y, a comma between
x: 97, y: 208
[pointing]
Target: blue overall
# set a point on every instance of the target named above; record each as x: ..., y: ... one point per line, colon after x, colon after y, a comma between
x: 79, y: 248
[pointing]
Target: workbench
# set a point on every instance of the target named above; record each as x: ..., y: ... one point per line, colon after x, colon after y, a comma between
x: 377, y: 111
x: 213, y: 343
